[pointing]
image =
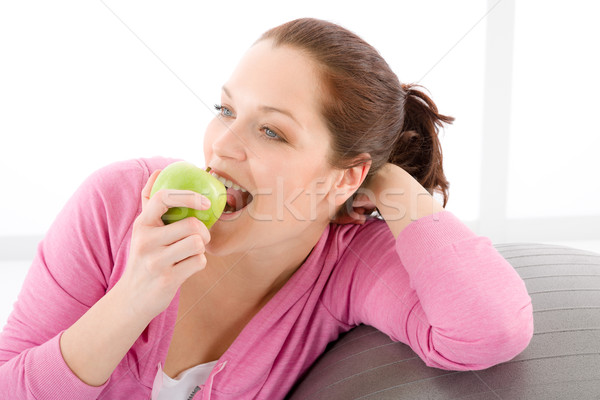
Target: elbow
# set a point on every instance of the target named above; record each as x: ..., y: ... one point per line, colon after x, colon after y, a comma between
x: 493, y: 342
x: 506, y: 339
x: 513, y: 337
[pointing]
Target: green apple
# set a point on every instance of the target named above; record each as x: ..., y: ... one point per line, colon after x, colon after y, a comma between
x: 183, y: 175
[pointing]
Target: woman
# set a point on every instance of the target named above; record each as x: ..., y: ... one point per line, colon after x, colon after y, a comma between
x: 317, y: 132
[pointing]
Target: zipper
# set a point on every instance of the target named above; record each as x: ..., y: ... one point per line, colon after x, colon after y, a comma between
x: 191, y: 396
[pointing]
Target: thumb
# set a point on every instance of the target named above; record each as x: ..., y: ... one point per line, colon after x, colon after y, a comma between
x: 148, y: 187
x: 362, y: 200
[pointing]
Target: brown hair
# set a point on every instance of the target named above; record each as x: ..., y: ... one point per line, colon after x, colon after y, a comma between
x: 366, y: 107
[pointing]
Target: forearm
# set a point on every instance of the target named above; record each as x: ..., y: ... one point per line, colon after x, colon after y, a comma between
x: 94, y: 345
x: 473, y: 308
x: 400, y: 199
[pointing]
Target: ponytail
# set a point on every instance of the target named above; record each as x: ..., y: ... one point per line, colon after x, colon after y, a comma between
x: 417, y: 149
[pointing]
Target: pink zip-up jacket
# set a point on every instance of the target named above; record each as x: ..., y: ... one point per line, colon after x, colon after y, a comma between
x: 438, y: 287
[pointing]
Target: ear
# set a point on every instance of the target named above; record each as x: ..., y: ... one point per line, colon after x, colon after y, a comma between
x: 350, y: 179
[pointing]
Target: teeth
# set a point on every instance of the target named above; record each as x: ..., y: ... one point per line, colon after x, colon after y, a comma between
x: 227, y: 182
x: 238, y: 187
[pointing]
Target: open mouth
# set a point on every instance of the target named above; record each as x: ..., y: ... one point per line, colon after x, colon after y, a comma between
x: 237, y: 196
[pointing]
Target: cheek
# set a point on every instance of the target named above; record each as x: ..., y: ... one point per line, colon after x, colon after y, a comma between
x: 293, y: 196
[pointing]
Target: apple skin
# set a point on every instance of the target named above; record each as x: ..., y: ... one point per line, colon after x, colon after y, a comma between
x: 182, y: 175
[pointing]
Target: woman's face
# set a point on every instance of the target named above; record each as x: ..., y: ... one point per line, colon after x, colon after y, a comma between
x: 271, y: 139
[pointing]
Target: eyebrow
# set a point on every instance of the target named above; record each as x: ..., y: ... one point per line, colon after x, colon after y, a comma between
x: 265, y: 108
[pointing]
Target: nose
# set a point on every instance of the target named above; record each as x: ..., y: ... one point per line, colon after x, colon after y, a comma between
x: 230, y: 142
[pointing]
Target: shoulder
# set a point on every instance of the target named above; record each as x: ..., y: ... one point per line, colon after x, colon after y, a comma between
x: 120, y: 181
x: 373, y: 229
x: 371, y: 239
x: 111, y: 195
x: 129, y: 172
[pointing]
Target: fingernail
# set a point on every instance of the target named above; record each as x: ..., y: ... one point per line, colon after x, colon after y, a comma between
x: 205, y: 203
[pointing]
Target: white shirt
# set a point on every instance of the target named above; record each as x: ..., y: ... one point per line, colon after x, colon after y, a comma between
x: 182, y: 386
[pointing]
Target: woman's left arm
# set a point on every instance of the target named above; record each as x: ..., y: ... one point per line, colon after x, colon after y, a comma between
x: 433, y: 284
x: 400, y: 199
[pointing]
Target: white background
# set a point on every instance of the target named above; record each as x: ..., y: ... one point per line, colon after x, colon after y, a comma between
x: 84, y: 84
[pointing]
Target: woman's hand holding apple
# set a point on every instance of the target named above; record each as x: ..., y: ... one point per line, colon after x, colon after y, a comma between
x: 163, y: 256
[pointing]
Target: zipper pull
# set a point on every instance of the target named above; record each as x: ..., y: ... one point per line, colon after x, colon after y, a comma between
x: 191, y: 396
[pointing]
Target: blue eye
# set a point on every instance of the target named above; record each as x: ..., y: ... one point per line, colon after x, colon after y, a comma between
x: 271, y: 134
x: 224, y: 111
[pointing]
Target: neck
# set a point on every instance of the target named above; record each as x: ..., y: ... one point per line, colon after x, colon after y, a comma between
x: 252, y: 278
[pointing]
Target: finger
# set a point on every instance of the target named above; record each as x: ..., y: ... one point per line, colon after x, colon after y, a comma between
x: 365, y: 195
x: 364, y: 210
x: 362, y: 200
x: 358, y: 217
x: 189, y: 246
x: 168, y: 198
x: 361, y: 203
x: 354, y: 216
x: 178, y: 230
x: 188, y: 267
x: 357, y: 214
x: 148, y: 187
